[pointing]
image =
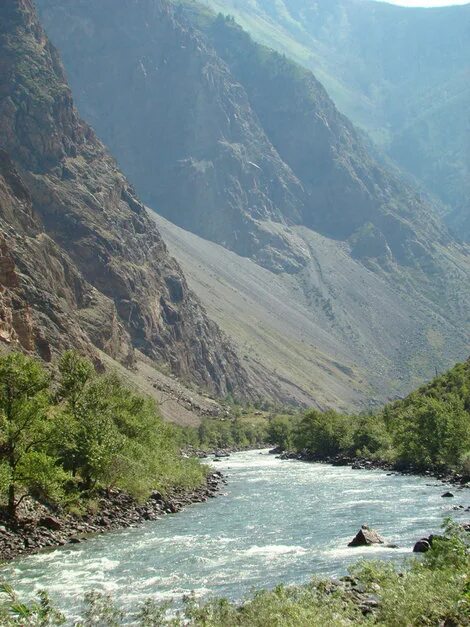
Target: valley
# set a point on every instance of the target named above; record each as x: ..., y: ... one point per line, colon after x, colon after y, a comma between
x: 234, y: 313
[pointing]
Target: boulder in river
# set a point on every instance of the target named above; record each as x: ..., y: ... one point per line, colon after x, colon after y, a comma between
x: 366, y: 537
x: 422, y: 546
x: 447, y: 495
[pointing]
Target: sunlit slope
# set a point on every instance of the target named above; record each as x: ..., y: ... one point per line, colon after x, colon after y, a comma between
x: 330, y: 336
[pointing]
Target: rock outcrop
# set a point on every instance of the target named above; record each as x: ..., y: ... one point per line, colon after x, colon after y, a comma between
x: 366, y: 537
x: 81, y: 263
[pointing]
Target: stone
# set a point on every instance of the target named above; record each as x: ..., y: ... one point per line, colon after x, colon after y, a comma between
x: 447, y: 495
x: 49, y: 522
x: 366, y: 537
x: 422, y: 546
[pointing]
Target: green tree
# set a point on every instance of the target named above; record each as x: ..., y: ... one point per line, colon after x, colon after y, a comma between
x: 280, y: 431
x: 433, y: 431
x: 324, y: 433
x: 25, y: 428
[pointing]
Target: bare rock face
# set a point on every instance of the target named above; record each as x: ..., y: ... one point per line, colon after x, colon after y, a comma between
x: 366, y: 537
x: 81, y: 264
x: 236, y: 136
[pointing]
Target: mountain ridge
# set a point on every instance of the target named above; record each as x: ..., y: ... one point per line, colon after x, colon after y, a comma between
x: 400, y: 73
x: 191, y: 129
x: 74, y: 229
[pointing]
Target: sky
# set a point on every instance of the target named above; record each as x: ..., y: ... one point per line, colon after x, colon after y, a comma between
x: 426, y: 3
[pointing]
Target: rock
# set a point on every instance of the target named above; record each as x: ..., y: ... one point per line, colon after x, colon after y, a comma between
x: 366, y: 537
x: 49, y: 522
x: 447, y: 495
x: 135, y: 293
x: 422, y: 546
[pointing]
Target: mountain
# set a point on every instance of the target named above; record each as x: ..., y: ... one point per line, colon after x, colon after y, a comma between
x: 82, y: 264
x: 244, y: 148
x: 400, y: 73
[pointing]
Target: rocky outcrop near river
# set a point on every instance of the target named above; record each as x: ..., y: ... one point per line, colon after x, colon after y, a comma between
x: 39, y: 527
x: 81, y: 263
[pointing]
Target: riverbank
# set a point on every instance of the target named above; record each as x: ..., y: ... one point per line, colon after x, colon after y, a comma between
x: 362, y: 463
x: 278, y: 522
x: 39, y: 527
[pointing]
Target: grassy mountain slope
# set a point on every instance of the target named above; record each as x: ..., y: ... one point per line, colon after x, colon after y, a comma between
x: 82, y: 264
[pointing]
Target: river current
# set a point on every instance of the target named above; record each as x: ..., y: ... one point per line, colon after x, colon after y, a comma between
x: 277, y: 521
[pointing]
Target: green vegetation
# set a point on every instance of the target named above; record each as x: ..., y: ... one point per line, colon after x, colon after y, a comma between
x: 63, y: 438
x: 248, y: 430
x: 430, y: 429
x: 431, y: 591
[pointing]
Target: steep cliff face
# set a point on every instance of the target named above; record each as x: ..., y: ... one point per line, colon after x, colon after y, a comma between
x: 228, y: 139
x: 346, y: 190
x: 46, y: 304
x: 401, y: 73
x: 235, y: 143
x: 179, y: 123
x: 81, y: 262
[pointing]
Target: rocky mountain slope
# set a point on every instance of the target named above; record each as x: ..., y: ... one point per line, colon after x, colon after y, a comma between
x: 243, y: 147
x: 81, y: 263
x: 400, y: 73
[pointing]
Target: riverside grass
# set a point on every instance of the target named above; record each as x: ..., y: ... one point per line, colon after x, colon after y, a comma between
x: 434, y: 590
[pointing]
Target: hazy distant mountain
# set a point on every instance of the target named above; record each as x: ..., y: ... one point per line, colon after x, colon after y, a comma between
x: 403, y: 74
x: 243, y: 147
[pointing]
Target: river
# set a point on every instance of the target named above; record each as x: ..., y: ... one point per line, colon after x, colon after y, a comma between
x: 278, y: 521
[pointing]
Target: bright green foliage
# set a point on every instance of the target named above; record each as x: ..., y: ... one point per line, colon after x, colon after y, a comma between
x: 433, y: 432
x: 40, y: 613
x: 370, y: 437
x: 60, y: 442
x: 281, y: 431
x: 238, y: 432
x: 428, y: 429
x: 25, y: 430
x: 112, y: 437
x: 325, y: 433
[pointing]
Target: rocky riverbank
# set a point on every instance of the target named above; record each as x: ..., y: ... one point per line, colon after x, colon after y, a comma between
x: 360, y: 463
x: 39, y: 527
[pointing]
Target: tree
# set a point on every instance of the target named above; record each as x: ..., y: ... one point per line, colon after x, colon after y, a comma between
x: 324, y: 433
x: 433, y: 431
x: 280, y: 431
x: 25, y: 426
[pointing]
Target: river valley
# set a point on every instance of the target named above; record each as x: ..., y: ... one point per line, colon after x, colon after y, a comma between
x: 277, y: 521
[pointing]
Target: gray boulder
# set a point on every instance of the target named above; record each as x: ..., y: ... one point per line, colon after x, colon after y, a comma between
x: 366, y: 537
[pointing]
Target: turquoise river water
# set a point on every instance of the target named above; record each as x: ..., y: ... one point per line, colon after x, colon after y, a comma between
x: 277, y: 521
